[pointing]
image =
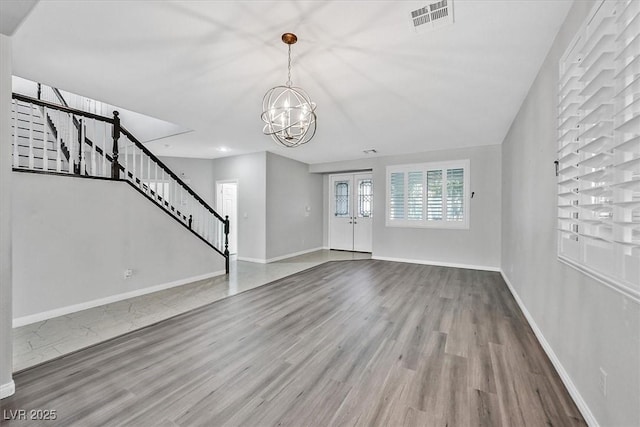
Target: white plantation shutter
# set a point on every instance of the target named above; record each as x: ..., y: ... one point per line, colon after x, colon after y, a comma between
x: 396, y: 199
x: 599, y: 147
x: 415, y: 196
x: 431, y: 194
x: 455, y: 194
x: 434, y: 195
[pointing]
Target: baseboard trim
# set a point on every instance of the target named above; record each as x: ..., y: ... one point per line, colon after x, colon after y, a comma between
x: 257, y: 260
x: 38, y: 317
x: 438, y: 263
x: 7, y: 389
x: 279, y: 258
x: 291, y: 255
x: 564, y: 375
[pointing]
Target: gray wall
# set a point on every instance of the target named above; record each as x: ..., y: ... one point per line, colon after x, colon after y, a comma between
x: 587, y: 324
x: 250, y: 172
x: 197, y: 173
x: 290, y: 190
x: 73, y: 238
x: 6, y: 340
x: 479, y: 246
x: 273, y: 192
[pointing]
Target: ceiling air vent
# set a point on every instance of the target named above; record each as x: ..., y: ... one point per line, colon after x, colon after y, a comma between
x: 434, y: 15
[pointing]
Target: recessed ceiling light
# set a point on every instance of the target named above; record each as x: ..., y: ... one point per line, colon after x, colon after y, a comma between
x: 223, y: 149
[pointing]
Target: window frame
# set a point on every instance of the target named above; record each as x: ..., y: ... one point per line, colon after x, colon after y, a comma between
x: 463, y: 164
x: 595, y: 191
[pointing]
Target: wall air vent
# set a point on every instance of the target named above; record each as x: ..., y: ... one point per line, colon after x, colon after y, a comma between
x: 434, y: 15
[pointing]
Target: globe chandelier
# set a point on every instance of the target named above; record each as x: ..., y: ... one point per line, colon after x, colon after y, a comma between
x: 288, y: 112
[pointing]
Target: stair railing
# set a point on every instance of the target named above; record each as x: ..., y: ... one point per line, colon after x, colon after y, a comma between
x: 53, y: 95
x: 102, y: 148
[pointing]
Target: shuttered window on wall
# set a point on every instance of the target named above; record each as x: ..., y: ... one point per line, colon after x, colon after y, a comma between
x: 428, y: 195
x: 599, y: 147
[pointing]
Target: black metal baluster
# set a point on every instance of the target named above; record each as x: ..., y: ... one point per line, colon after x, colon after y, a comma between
x: 79, y: 168
x: 115, y: 167
x: 226, y: 243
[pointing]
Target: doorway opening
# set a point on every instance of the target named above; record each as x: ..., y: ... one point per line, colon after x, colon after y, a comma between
x: 227, y: 205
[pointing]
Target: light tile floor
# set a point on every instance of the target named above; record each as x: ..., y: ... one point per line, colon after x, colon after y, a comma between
x: 46, y: 340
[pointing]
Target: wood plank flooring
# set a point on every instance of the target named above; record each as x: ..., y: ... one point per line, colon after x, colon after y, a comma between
x: 345, y: 343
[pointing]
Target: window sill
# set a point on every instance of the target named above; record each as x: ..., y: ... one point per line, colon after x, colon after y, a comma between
x: 416, y: 224
x: 605, y: 280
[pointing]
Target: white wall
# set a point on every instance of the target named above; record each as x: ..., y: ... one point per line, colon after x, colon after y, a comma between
x: 73, y: 238
x: 250, y: 172
x: 290, y: 190
x: 6, y: 338
x: 477, y: 247
x: 586, y: 324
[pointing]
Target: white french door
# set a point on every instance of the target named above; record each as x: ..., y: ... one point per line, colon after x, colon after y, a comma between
x: 351, y: 212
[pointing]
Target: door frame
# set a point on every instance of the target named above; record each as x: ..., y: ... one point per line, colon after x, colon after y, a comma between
x: 329, y: 195
x: 218, y: 200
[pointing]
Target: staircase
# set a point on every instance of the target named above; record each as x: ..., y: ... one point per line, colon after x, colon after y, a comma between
x: 44, y: 153
x: 52, y: 138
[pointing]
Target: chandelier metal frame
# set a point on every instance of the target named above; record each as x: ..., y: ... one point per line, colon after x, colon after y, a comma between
x: 288, y: 112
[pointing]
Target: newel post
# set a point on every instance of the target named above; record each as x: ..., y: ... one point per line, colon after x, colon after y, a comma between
x: 226, y: 243
x: 115, y: 167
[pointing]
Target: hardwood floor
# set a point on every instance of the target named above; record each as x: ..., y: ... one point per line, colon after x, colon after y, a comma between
x: 344, y: 343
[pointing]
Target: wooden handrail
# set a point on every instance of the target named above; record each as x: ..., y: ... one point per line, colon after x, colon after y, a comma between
x: 129, y: 135
x: 60, y: 97
x: 58, y: 107
x: 169, y: 171
x: 56, y: 92
x: 113, y: 158
x: 76, y: 123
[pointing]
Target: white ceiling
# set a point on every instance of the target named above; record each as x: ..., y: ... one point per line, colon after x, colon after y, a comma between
x: 205, y: 65
x: 12, y: 13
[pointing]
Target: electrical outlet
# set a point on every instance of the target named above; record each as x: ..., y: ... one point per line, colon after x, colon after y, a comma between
x: 128, y: 273
x: 602, y: 382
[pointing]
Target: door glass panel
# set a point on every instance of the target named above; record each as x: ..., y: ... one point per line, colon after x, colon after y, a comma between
x: 365, y: 198
x: 341, y: 192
